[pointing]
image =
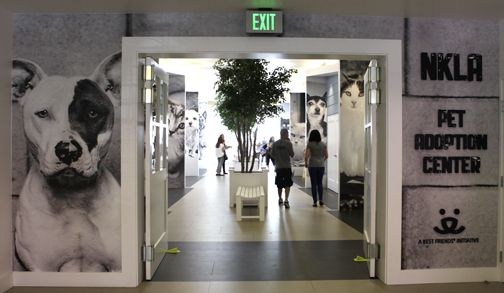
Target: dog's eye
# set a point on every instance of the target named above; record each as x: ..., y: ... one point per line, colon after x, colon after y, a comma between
x: 348, y: 93
x: 361, y: 94
x: 293, y: 135
x: 42, y: 114
x: 310, y: 103
x: 92, y: 114
x: 322, y: 104
x: 181, y: 125
x: 110, y: 86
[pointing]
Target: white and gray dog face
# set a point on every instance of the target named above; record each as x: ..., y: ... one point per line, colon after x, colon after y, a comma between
x: 192, y: 120
x: 317, y: 108
x: 68, y: 121
x: 298, y: 139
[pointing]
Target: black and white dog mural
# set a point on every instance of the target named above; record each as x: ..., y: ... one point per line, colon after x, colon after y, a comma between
x: 298, y: 127
x: 352, y: 107
x: 192, y: 120
x: 68, y: 215
x: 316, y: 113
x: 202, y: 142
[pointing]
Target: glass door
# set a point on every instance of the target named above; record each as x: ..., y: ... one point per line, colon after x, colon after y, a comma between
x: 155, y: 93
x: 372, y: 96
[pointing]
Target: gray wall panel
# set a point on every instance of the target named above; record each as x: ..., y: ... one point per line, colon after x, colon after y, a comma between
x: 295, y: 25
x: 67, y: 44
x: 5, y: 150
x: 453, y: 36
x: 188, y: 24
x: 323, y: 26
x: 475, y: 246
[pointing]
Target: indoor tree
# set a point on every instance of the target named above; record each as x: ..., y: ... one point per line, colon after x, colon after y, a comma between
x: 247, y: 94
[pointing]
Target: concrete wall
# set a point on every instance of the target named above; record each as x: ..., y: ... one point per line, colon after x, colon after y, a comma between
x: 78, y: 40
x: 5, y: 151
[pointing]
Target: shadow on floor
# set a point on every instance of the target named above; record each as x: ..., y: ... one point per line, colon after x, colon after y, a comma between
x: 175, y: 194
x: 263, y: 261
x: 298, y: 180
x: 352, y: 217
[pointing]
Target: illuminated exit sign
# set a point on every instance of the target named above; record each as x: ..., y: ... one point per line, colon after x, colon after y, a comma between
x: 264, y: 22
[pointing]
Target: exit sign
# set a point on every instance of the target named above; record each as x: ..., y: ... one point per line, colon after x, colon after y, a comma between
x: 264, y: 22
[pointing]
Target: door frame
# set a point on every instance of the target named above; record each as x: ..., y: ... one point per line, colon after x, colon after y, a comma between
x: 390, y: 51
x: 501, y: 147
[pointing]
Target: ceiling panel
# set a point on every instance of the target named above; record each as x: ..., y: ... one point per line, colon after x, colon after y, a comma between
x: 487, y: 9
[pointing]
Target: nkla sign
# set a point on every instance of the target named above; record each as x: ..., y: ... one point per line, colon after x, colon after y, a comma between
x: 264, y: 22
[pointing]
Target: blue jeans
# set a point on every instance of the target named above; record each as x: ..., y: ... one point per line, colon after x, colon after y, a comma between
x: 220, y: 163
x: 316, y: 175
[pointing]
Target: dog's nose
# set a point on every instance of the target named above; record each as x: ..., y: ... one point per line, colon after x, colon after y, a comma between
x: 190, y: 123
x: 317, y: 110
x: 68, y: 152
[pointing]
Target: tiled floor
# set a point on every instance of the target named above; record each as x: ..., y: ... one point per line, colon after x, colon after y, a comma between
x: 263, y: 261
x: 203, y: 217
x: 204, y: 214
x: 352, y: 286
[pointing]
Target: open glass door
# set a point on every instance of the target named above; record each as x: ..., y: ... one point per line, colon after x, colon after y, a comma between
x: 372, y: 95
x: 155, y: 93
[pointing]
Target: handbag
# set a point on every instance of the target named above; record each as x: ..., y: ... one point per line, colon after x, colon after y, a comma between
x: 225, y: 157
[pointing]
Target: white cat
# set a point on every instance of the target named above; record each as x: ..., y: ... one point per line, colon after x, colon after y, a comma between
x: 352, y: 105
x: 298, y: 139
x: 192, y: 129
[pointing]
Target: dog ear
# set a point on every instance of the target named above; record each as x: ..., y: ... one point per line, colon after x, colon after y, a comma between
x: 204, y: 114
x: 25, y: 76
x: 108, y: 76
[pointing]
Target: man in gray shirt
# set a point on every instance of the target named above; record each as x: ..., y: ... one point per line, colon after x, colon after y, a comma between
x: 282, y: 152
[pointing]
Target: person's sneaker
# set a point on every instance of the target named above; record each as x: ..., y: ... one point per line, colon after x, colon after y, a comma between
x: 314, y: 205
x: 286, y: 204
x: 321, y: 203
x: 280, y: 201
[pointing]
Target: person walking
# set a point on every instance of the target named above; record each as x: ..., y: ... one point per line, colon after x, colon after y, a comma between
x: 268, y: 152
x: 282, y: 152
x: 315, y: 157
x: 220, y: 152
x: 225, y: 154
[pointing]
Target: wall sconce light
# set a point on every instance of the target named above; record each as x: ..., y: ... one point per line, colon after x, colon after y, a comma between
x: 148, y: 72
x: 147, y: 93
x: 148, y: 76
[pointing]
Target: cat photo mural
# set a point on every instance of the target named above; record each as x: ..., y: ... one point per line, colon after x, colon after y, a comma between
x: 352, y: 125
x: 352, y: 107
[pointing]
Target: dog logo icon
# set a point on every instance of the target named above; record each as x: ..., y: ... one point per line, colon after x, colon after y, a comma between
x: 449, y: 224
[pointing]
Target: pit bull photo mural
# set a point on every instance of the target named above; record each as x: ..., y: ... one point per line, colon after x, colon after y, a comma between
x: 68, y: 213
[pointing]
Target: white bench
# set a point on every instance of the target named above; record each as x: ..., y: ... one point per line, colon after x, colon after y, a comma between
x: 250, y: 195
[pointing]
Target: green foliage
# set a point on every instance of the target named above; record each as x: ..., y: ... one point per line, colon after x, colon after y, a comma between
x: 247, y: 94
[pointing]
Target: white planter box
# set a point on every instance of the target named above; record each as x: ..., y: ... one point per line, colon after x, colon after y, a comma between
x: 237, y: 178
